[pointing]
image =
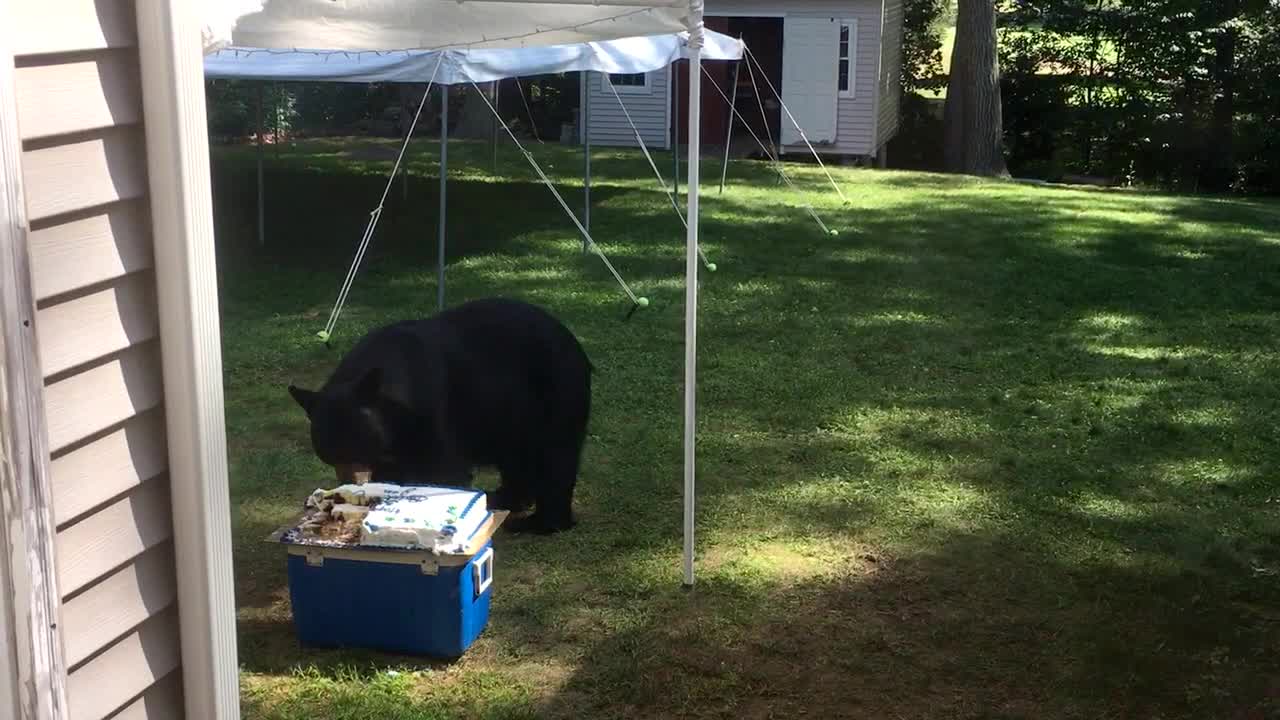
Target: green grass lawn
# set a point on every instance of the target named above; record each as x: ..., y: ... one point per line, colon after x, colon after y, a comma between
x: 995, y: 451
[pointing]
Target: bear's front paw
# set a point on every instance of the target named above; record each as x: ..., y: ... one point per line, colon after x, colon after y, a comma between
x: 538, y: 525
x: 500, y: 499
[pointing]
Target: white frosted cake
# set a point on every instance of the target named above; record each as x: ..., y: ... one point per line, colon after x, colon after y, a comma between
x: 438, y: 518
x: 364, y: 495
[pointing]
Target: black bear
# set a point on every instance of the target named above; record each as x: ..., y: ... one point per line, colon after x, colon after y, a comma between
x: 495, y: 382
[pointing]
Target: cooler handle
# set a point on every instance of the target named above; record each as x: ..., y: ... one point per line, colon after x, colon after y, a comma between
x: 482, y: 571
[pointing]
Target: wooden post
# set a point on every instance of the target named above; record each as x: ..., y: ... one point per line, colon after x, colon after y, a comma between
x: 30, y: 601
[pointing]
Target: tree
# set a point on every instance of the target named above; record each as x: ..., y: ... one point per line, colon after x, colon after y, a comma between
x: 973, y: 135
x: 475, y: 120
x: 922, y: 45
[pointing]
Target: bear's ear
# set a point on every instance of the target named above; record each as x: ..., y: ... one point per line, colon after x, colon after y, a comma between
x: 370, y: 385
x: 305, y: 398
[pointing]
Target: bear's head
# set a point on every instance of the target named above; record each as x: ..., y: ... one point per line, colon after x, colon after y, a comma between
x: 349, y: 428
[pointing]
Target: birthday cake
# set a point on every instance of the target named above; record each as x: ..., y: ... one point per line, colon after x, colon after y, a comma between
x: 437, y: 518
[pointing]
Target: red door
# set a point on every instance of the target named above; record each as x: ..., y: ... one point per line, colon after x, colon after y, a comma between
x: 715, y: 109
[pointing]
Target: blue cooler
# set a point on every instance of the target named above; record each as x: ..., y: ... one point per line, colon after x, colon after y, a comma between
x: 413, y: 602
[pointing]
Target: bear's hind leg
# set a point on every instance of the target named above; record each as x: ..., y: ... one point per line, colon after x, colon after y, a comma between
x: 553, y: 493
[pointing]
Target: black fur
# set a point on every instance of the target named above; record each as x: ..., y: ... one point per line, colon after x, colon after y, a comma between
x: 495, y: 382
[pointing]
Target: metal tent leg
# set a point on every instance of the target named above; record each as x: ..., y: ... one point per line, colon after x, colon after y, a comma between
x: 444, y: 185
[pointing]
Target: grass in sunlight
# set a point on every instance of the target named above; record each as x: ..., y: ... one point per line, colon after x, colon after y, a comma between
x: 993, y: 451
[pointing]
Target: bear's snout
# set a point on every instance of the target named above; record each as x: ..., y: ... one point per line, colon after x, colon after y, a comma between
x: 349, y: 474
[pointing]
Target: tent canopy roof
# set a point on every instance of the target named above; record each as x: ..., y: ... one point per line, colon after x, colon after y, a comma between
x: 626, y: 55
x: 434, y: 24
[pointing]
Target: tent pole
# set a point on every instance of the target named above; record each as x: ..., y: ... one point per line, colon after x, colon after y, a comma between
x: 262, y: 213
x: 728, y: 136
x: 586, y: 156
x: 691, y: 280
x: 493, y: 122
x: 444, y: 173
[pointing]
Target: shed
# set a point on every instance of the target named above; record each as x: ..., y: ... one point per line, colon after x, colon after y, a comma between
x: 835, y: 63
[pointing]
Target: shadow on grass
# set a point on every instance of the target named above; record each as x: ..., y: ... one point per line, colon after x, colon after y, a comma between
x: 1049, y: 415
x: 946, y: 633
x: 942, y: 633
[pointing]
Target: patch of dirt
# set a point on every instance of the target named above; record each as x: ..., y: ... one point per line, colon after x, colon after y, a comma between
x: 549, y: 677
x: 857, y: 635
x: 791, y: 563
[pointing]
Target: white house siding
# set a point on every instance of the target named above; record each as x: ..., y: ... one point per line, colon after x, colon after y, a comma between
x: 649, y: 111
x: 856, y: 130
x: 79, y: 108
x: 891, y: 64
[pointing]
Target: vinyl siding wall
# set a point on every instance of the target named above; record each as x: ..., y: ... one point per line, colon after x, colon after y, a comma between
x: 608, y: 124
x: 84, y: 171
x: 891, y: 64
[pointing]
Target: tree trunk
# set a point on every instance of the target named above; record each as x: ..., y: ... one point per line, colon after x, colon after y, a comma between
x: 974, y: 129
x: 475, y: 121
x: 1218, y: 167
x: 408, y: 103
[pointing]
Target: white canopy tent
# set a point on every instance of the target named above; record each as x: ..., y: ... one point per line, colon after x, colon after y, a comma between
x: 463, y: 66
x: 452, y: 66
x: 404, y: 25
x: 397, y: 25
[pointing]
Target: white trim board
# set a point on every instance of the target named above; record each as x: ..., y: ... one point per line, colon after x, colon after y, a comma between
x: 177, y: 144
x: 667, y: 118
x: 875, y: 99
x: 584, y: 106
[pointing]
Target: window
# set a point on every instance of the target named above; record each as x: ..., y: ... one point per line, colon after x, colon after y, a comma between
x: 847, y: 66
x: 630, y: 82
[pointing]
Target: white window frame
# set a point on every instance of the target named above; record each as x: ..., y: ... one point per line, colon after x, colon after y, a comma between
x: 852, y: 92
x: 644, y: 89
